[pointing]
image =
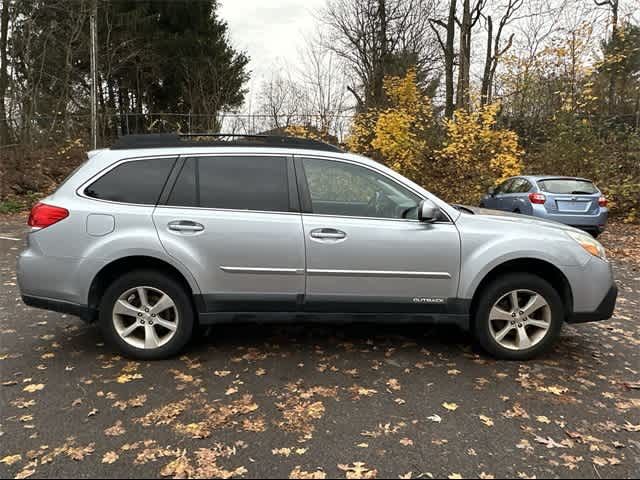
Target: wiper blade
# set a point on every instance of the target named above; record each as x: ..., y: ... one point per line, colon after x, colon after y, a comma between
x: 580, y: 192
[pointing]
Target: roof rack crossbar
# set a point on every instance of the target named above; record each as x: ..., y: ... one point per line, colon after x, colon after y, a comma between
x: 168, y: 140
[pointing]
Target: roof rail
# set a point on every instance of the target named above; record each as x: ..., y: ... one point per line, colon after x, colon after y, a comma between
x: 167, y: 140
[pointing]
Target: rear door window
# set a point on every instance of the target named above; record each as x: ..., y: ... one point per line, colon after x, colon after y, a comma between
x: 520, y: 185
x: 233, y: 182
x: 568, y: 186
x: 505, y: 186
x: 137, y: 182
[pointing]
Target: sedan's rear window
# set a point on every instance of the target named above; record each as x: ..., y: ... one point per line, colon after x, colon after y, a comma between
x: 567, y: 186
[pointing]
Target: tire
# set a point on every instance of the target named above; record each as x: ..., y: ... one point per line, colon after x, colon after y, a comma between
x: 514, y: 345
x: 173, y: 324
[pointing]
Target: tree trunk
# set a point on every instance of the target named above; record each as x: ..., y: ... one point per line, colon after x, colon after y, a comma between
x: 614, y: 37
x: 486, y: 75
x: 4, y: 80
x: 462, y: 94
x: 449, y: 59
x: 381, y: 67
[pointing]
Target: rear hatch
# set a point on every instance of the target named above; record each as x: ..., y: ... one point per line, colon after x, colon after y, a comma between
x: 570, y: 196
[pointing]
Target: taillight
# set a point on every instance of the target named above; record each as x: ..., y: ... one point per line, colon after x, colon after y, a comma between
x: 538, y: 198
x: 43, y: 215
x: 602, y: 201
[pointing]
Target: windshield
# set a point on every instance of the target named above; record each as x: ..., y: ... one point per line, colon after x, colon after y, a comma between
x: 568, y: 186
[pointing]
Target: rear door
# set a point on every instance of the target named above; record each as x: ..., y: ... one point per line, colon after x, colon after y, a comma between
x: 234, y: 222
x: 498, y: 202
x: 517, y: 200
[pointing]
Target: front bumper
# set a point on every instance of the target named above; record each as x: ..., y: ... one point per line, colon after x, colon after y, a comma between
x: 604, y: 311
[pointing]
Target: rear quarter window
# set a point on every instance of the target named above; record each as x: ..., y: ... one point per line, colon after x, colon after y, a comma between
x: 567, y: 186
x: 137, y: 181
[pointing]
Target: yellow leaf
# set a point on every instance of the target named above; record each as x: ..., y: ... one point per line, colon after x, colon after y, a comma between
x: 11, y: 459
x: 33, y: 388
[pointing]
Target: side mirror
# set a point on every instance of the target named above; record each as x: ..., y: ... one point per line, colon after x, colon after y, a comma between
x: 491, y: 191
x: 428, y: 211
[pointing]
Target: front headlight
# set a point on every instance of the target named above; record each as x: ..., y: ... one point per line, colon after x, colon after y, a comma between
x: 589, y: 243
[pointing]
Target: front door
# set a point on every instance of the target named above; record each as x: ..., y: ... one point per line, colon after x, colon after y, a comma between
x: 234, y: 222
x: 366, y: 251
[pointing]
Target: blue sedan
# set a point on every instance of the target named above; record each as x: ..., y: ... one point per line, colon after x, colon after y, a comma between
x: 569, y: 200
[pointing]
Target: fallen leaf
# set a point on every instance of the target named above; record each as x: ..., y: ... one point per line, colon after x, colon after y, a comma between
x: 357, y: 471
x: 33, y: 388
x: 110, y: 457
x: 116, y: 430
x: 486, y: 420
x: 11, y: 459
x: 407, y: 442
x: 297, y: 473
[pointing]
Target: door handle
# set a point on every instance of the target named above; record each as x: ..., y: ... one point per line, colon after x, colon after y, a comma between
x: 328, y: 233
x: 185, y: 226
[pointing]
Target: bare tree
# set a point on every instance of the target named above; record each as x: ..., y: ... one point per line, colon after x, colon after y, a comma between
x: 449, y: 53
x: 613, y: 5
x: 281, y: 101
x: 4, y: 77
x: 471, y: 13
x: 325, y: 84
x: 376, y: 38
x: 494, y: 49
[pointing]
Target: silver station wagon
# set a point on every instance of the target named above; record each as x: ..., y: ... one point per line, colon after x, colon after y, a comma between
x: 162, y: 234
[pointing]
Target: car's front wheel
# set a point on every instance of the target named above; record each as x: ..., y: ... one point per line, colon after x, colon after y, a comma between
x: 518, y: 317
x: 147, y: 315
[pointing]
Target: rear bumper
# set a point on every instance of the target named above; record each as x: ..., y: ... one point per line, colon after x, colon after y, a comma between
x: 604, y: 311
x: 582, y: 221
x: 85, y: 313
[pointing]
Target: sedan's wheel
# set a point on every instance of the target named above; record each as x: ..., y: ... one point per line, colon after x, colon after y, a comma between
x: 147, y: 315
x: 518, y: 316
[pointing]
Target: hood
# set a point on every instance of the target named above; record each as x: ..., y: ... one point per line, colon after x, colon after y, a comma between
x: 499, y: 215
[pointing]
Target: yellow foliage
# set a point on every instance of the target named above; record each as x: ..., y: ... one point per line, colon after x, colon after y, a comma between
x: 303, y: 131
x: 398, y: 134
x: 473, y: 155
x: 479, y: 152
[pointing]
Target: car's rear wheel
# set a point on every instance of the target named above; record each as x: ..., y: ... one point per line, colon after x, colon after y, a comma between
x: 147, y: 315
x: 518, y: 317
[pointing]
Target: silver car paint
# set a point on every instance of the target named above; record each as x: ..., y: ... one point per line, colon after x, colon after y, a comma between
x: 379, y: 258
x: 268, y: 246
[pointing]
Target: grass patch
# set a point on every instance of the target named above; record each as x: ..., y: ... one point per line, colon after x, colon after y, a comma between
x: 18, y: 203
x: 11, y: 206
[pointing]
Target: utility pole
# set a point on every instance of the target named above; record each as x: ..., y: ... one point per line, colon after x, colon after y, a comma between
x: 94, y: 74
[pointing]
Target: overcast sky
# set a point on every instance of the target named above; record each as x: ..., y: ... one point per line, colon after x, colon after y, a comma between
x: 270, y: 31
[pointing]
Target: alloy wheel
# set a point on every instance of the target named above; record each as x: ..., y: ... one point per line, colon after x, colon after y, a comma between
x: 145, y: 317
x: 520, y: 319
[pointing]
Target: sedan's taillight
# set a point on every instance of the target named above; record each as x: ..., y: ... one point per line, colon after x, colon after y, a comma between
x: 602, y: 201
x: 43, y: 215
x: 538, y: 198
